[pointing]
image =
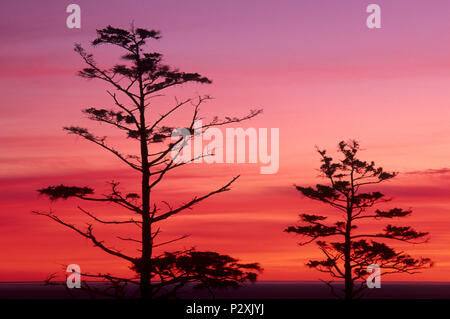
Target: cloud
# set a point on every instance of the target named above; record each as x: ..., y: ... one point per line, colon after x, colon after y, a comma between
x: 430, y: 171
x: 416, y: 192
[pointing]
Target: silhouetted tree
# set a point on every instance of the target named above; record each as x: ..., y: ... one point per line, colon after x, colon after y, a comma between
x: 348, y: 256
x: 140, y: 77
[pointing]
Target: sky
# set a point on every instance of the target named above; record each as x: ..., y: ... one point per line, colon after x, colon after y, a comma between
x: 318, y: 72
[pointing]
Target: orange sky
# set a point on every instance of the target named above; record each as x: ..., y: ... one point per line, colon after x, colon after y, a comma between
x: 319, y: 74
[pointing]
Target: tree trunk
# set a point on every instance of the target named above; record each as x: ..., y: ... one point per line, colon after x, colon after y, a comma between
x: 347, y: 254
x: 348, y: 269
x: 147, y: 240
x: 145, y: 270
x: 348, y: 241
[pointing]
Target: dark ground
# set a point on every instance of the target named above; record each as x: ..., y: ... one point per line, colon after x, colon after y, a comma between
x: 260, y: 290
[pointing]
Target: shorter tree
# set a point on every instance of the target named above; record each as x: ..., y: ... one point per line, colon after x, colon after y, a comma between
x: 352, y: 252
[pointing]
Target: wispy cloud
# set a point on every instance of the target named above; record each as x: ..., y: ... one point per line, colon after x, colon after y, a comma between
x: 430, y: 171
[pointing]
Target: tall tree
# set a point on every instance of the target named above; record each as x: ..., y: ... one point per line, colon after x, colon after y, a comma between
x: 140, y: 77
x: 351, y: 251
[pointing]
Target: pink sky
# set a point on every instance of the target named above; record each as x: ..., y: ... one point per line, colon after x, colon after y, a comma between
x: 314, y: 67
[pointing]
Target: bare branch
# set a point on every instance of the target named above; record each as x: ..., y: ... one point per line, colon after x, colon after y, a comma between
x: 131, y: 221
x: 87, y: 234
x: 194, y: 201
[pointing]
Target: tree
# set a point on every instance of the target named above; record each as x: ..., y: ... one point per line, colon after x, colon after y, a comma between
x: 141, y: 76
x: 348, y: 256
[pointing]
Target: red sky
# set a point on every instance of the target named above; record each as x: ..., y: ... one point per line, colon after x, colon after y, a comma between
x: 313, y: 66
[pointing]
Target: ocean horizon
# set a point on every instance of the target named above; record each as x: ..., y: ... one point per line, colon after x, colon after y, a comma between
x: 258, y: 290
